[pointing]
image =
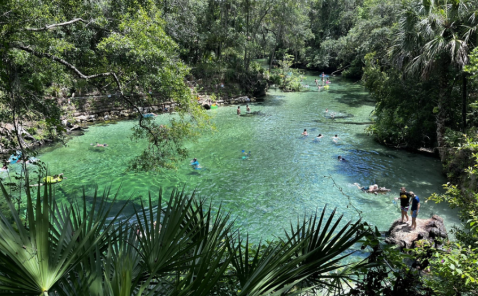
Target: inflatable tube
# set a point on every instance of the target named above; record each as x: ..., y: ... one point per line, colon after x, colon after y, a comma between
x: 15, y: 157
x: 52, y: 180
x: 382, y: 190
x: 214, y: 106
x: 326, y: 86
x: 148, y: 115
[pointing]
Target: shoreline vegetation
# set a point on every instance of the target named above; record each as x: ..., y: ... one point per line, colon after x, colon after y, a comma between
x: 418, y: 60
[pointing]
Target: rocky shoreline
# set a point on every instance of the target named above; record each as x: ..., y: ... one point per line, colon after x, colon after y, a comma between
x: 82, y: 111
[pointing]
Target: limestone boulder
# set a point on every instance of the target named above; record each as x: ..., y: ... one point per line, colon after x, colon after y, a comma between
x: 402, y: 235
x: 81, y: 118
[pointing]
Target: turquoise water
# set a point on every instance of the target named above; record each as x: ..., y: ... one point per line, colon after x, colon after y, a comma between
x: 287, y: 175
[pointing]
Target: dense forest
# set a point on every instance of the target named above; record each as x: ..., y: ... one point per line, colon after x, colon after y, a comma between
x: 418, y: 60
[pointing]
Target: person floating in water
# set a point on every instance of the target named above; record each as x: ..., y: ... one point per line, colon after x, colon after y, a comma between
x: 335, y: 138
x: 316, y: 82
x: 328, y: 81
x: 5, y: 167
x: 248, y: 109
x: 369, y: 189
x: 320, y: 136
x: 195, y: 164
x: 340, y: 158
x: 326, y: 111
x: 305, y: 134
x: 246, y: 154
x: 238, y: 110
x: 99, y: 145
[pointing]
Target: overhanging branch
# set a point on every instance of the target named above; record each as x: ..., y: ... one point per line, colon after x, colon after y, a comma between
x: 61, y: 61
x: 83, y: 76
x: 49, y: 27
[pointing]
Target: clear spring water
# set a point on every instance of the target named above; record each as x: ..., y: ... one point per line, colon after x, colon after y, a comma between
x: 286, y: 176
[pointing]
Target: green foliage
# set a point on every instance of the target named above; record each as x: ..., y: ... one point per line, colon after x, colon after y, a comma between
x: 172, y: 246
x: 286, y: 77
x: 59, y: 48
x: 399, y: 122
x: 453, y: 270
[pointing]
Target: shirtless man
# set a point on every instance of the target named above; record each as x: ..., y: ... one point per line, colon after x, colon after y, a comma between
x: 238, y: 110
x: 369, y: 189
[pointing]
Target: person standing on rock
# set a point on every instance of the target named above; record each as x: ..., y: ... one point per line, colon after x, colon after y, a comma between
x: 415, y: 209
x: 404, y: 202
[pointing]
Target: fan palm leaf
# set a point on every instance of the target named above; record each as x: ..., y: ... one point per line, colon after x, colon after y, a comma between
x: 34, y: 258
x: 306, y: 258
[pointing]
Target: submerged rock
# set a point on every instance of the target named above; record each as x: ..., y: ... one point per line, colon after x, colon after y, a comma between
x: 401, y: 234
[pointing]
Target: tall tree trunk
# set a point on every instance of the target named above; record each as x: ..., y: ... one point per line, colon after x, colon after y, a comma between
x: 246, y: 58
x: 442, y: 110
x: 464, y: 102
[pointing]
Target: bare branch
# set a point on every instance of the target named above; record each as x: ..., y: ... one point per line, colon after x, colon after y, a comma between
x: 61, y: 61
x: 49, y: 27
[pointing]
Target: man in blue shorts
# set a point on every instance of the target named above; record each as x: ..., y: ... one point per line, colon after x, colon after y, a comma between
x: 404, y: 202
x: 415, y: 209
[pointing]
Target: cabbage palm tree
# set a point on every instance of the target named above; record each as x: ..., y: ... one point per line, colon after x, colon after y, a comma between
x: 433, y: 37
x: 37, y: 255
x: 175, y: 246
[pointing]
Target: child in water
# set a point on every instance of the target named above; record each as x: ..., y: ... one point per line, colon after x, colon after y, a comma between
x: 335, y: 138
x: 195, y: 164
x: 238, y: 110
x: 305, y: 133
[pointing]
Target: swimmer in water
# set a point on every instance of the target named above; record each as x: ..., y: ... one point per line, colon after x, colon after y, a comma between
x: 305, y: 133
x: 238, y: 110
x: 326, y: 110
x: 248, y: 109
x: 335, y: 138
x: 99, y: 145
x: 370, y: 189
x: 317, y: 139
x: 195, y: 163
x: 340, y: 158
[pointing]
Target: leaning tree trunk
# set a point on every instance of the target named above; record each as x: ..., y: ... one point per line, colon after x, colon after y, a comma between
x: 442, y: 111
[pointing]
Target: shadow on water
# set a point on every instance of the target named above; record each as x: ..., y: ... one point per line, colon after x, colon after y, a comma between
x: 353, y: 99
x: 97, y: 149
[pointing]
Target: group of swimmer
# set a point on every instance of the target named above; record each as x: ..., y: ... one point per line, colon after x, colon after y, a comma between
x: 335, y: 138
x: 239, y: 109
x: 325, y: 81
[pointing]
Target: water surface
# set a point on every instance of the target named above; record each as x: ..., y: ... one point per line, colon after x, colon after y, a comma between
x: 285, y: 177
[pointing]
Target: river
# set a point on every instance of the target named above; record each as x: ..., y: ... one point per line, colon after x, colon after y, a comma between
x: 286, y: 176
